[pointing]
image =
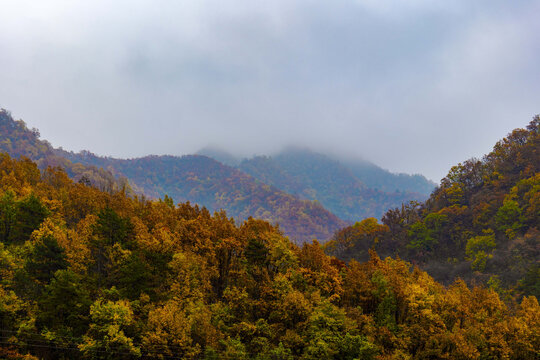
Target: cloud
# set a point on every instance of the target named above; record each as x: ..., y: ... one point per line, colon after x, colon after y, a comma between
x: 415, y: 86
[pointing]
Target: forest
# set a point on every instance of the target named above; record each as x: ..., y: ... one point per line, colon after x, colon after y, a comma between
x: 269, y: 180
x: 93, y: 274
x: 481, y: 224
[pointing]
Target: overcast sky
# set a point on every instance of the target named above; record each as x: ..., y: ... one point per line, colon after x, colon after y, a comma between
x: 415, y: 86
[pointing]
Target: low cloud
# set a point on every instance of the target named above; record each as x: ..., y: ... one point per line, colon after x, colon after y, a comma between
x: 413, y: 86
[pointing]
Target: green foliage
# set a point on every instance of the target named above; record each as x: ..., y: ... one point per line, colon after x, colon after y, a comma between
x: 425, y: 234
x: 30, y: 214
x: 354, y: 347
x: 359, y: 239
x: 64, y: 304
x: 19, y: 218
x: 106, y: 338
x: 134, y: 277
x: 479, y: 249
x: 256, y: 252
x: 7, y: 215
x: 421, y: 237
x: 112, y: 229
x: 508, y: 218
x: 530, y: 284
x: 46, y: 258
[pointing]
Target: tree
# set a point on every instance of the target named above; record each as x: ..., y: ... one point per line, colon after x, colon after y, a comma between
x: 30, y: 213
x: 46, y: 258
x: 106, y: 338
x: 7, y: 215
x: 64, y: 305
x: 508, y: 218
x: 479, y: 249
x: 112, y: 234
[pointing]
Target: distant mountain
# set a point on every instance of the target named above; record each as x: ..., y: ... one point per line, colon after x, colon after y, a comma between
x: 309, y: 195
x: 216, y: 186
x: 219, y: 155
x: 335, y: 185
x: 378, y: 178
x: 194, y: 178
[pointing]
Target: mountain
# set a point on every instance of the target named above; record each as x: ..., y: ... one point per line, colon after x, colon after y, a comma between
x: 19, y: 141
x: 194, y: 178
x: 481, y: 224
x: 309, y: 195
x: 205, y: 181
x: 219, y: 155
x: 87, y: 274
x: 378, y: 178
x: 335, y: 185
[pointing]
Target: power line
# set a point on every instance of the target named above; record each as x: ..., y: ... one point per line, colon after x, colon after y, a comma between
x: 36, y: 343
x: 48, y: 344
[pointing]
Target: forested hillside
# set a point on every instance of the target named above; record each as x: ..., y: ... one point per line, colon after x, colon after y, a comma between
x: 17, y: 140
x: 318, y: 177
x: 481, y: 224
x: 309, y: 195
x: 198, y: 179
x: 87, y: 274
x: 205, y: 181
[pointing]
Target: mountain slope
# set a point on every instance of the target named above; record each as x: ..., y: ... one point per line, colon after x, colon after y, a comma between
x: 318, y: 177
x: 87, y: 274
x: 376, y: 177
x: 18, y: 141
x: 481, y: 224
x: 204, y: 181
x: 198, y: 179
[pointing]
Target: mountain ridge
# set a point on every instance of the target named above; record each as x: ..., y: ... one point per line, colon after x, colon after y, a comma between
x: 194, y: 178
x: 310, y: 195
x: 317, y: 176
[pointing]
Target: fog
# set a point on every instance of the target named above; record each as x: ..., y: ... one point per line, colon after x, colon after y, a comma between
x: 413, y: 86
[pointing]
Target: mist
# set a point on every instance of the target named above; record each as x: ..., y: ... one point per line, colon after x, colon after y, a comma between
x: 414, y: 87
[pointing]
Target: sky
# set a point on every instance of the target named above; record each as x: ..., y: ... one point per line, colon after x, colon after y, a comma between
x: 414, y: 86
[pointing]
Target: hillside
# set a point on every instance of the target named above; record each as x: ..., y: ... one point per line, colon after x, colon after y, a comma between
x: 198, y: 179
x: 18, y: 141
x: 87, y: 274
x: 481, y: 224
x: 204, y: 181
x: 337, y: 187
x: 378, y: 178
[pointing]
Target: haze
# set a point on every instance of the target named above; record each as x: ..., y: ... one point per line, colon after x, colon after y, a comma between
x: 414, y: 86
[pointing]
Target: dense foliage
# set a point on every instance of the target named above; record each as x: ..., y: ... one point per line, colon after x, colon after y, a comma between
x: 197, y: 179
x: 340, y: 187
x: 205, y: 181
x: 482, y: 223
x: 94, y: 275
